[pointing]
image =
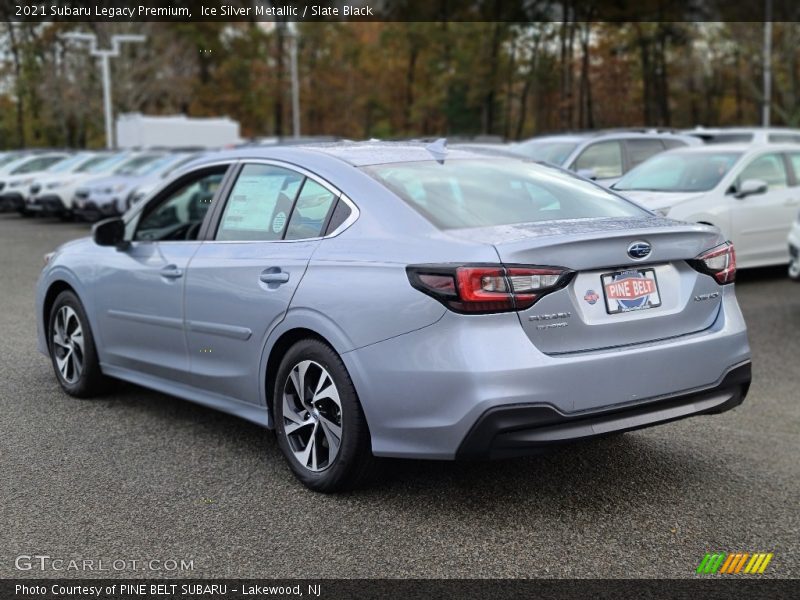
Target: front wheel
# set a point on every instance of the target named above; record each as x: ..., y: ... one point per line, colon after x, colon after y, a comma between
x: 72, y: 348
x: 794, y: 269
x: 320, y: 426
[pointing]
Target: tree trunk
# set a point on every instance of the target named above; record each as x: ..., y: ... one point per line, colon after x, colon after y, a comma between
x: 18, y: 88
x: 410, y: 71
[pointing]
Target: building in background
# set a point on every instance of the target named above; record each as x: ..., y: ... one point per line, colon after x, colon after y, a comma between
x: 135, y: 130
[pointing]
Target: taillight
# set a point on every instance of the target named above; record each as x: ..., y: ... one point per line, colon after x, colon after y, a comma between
x: 487, y: 289
x: 719, y: 262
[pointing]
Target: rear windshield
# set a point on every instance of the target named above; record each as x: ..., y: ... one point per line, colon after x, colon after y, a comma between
x: 485, y: 193
x: 679, y: 172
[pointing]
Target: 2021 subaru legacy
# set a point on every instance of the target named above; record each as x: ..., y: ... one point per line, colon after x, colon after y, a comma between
x: 377, y: 299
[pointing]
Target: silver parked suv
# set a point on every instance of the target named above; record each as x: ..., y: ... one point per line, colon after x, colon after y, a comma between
x: 603, y: 156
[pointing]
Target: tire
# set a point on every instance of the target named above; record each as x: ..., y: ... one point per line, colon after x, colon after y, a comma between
x: 315, y: 414
x: 794, y: 270
x: 77, y: 369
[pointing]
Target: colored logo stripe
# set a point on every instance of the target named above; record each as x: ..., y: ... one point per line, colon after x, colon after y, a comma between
x: 722, y: 562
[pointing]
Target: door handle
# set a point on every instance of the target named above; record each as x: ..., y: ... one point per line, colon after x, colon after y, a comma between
x: 274, y: 276
x: 792, y: 202
x: 171, y: 272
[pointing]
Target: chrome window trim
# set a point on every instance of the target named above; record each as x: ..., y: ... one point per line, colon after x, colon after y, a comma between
x: 352, y: 218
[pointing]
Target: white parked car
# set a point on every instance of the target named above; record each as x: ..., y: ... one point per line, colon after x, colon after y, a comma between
x: 18, y: 175
x: 794, y: 250
x: 751, y: 192
x: 53, y: 191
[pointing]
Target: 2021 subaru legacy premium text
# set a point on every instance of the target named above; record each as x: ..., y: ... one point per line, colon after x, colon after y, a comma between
x: 370, y: 299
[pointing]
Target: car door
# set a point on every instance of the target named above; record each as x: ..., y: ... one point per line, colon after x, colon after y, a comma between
x: 241, y: 281
x: 761, y: 222
x: 139, y: 289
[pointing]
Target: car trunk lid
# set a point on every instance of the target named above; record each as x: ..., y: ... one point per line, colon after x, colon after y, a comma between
x: 612, y: 299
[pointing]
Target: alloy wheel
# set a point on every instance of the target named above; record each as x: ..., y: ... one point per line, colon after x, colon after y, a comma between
x: 312, y: 415
x: 68, y: 344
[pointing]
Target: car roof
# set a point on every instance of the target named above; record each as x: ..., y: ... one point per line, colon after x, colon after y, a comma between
x: 358, y: 154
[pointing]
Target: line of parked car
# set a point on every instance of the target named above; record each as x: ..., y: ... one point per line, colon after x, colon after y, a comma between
x: 745, y: 181
x: 86, y: 185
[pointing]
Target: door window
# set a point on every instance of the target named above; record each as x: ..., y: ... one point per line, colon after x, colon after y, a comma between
x: 260, y: 204
x: 640, y: 150
x: 604, y: 158
x: 178, y: 212
x: 769, y: 168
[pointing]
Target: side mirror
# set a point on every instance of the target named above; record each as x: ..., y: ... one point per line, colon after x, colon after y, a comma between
x: 751, y: 187
x: 110, y: 232
x: 588, y: 173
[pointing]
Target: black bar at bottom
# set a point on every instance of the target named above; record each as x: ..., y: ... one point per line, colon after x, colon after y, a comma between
x: 707, y: 587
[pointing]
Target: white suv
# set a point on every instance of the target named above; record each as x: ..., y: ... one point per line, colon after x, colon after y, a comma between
x: 751, y: 192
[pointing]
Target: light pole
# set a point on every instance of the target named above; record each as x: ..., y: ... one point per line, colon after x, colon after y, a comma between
x: 292, y: 31
x: 105, y: 68
x: 767, y: 63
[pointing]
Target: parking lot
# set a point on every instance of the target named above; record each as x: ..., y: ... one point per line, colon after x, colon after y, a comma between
x: 141, y: 476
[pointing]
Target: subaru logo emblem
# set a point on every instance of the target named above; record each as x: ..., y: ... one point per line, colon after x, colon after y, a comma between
x: 639, y: 250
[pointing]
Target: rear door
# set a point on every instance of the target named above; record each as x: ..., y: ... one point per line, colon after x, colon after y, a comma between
x: 241, y: 281
x: 761, y: 222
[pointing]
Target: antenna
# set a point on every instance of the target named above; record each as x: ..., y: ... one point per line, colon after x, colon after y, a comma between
x: 438, y: 149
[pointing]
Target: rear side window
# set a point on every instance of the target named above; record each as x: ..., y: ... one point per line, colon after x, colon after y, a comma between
x: 640, y: 150
x: 603, y: 158
x: 468, y: 193
x: 794, y: 159
x: 260, y: 204
x: 310, y: 211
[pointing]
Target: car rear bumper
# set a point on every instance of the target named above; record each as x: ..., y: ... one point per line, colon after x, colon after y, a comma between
x: 424, y: 392
x: 508, y: 431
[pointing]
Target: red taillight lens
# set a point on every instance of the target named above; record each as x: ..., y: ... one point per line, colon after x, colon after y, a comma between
x: 487, y: 289
x: 719, y: 262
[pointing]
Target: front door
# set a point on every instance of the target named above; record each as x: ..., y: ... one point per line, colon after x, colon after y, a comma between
x: 139, y: 290
x: 762, y: 221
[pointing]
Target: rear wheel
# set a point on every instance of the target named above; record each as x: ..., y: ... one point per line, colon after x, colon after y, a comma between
x: 319, y: 423
x: 72, y: 349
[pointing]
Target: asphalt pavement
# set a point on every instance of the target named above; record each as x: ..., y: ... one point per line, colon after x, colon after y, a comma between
x: 140, y: 476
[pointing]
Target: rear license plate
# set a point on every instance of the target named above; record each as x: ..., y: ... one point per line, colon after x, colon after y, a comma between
x: 632, y: 289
